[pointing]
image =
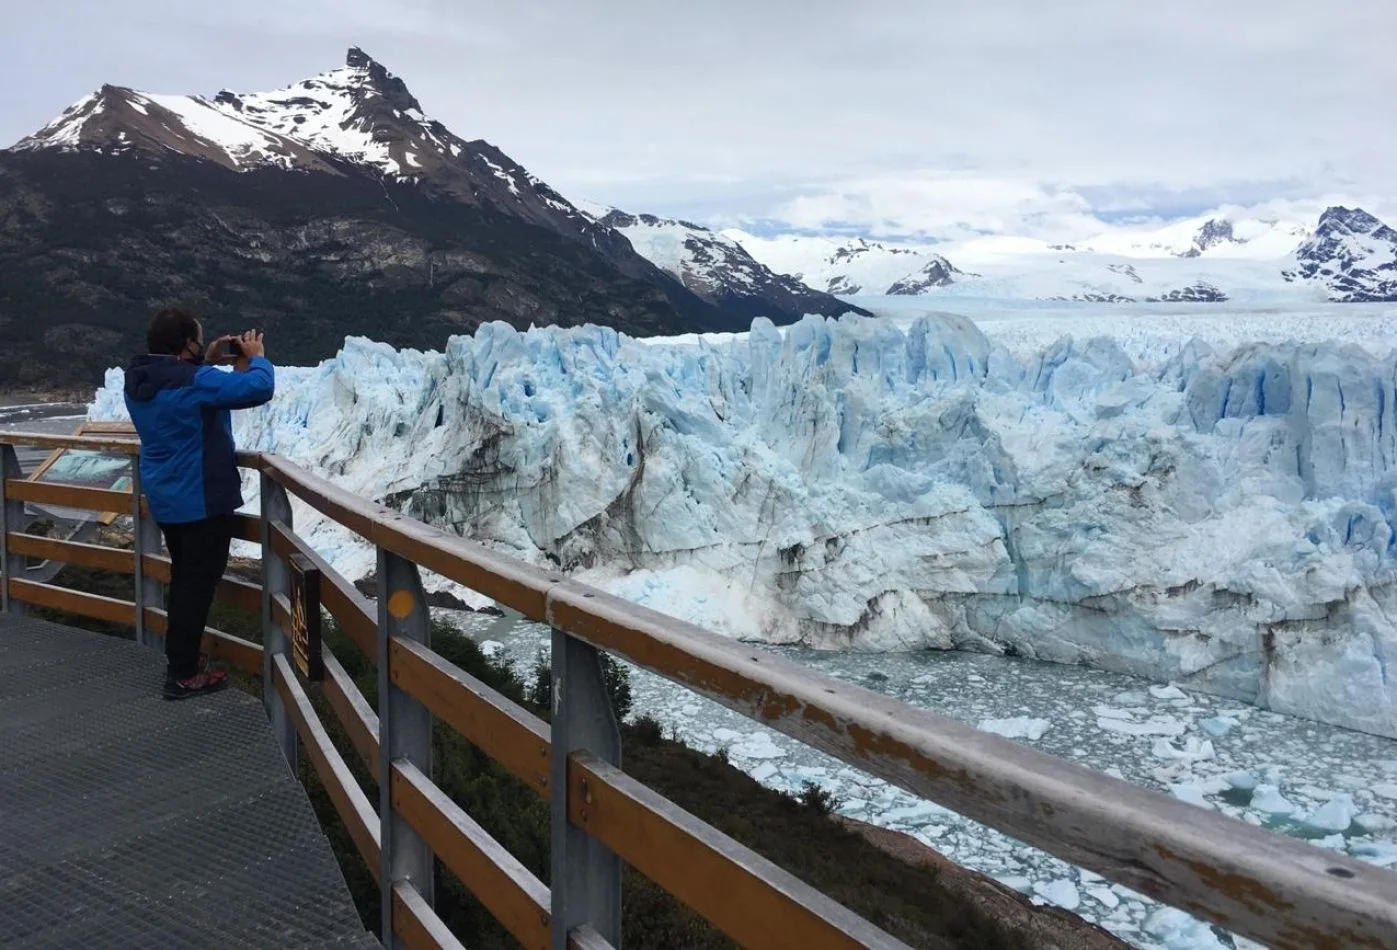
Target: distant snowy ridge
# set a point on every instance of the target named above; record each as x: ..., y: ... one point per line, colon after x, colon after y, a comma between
x: 1349, y: 256
x: 1222, y: 520
x: 711, y: 265
x: 851, y: 267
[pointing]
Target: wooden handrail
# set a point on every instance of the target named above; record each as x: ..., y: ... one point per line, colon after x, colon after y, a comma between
x: 96, y: 556
x: 354, y: 612
x: 349, y: 800
x: 1213, y: 866
x: 513, y: 737
x: 498, y: 576
x: 94, y: 606
x: 112, y: 445
x: 753, y: 901
x: 417, y: 924
x: 355, y: 714
x: 515, y: 897
x: 242, y: 655
x: 69, y: 496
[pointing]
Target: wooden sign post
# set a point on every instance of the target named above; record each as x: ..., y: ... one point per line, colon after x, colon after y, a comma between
x: 305, y: 618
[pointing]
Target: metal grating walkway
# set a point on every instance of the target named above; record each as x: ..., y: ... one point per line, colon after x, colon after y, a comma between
x: 128, y: 821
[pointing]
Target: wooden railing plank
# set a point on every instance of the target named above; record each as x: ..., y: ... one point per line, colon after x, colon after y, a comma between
x: 69, y: 496
x: 512, y: 894
x: 355, y: 613
x: 353, y: 711
x: 243, y: 655
x: 74, y: 602
x: 129, y: 445
x: 1280, y: 891
x: 96, y: 556
x: 417, y: 925
x: 516, y: 739
x: 503, y: 578
x: 749, y: 898
x: 247, y: 528
x: 349, y: 799
x: 230, y: 590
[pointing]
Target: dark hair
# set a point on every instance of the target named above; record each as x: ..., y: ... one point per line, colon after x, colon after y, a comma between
x: 171, y: 330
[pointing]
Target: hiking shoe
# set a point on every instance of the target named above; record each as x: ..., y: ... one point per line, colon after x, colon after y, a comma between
x: 209, y: 681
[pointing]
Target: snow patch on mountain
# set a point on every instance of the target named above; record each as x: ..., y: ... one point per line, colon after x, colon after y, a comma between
x: 1217, y: 518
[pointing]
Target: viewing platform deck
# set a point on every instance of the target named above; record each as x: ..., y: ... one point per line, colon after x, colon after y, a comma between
x: 130, y: 821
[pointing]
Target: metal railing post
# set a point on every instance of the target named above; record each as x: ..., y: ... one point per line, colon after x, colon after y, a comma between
x: 276, y: 507
x: 586, y: 875
x: 145, y: 538
x: 404, y: 732
x: 11, y: 519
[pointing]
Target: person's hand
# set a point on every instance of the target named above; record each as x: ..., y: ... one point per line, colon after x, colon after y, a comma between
x: 217, y: 352
x: 252, y: 344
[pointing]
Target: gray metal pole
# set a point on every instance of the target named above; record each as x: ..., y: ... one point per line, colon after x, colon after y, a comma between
x: 11, y: 519
x: 404, y: 732
x: 586, y: 878
x: 276, y: 507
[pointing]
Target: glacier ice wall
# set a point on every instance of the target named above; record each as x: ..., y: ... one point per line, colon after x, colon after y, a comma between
x: 1223, y: 519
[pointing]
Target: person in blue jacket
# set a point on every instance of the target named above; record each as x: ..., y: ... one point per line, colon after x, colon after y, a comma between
x: 179, y: 401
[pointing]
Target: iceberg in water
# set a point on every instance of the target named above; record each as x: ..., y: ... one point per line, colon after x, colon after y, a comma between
x: 1221, y: 519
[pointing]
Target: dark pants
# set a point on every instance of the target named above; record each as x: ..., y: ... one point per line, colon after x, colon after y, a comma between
x: 198, y: 558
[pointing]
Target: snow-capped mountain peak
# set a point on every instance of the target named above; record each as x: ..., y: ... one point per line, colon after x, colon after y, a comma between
x: 360, y: 112
x: 1214, y: 231
x: 710, y: 264
x: 1352, y: 253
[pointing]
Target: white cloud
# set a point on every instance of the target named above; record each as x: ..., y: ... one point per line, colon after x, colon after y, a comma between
x: 814, y: 108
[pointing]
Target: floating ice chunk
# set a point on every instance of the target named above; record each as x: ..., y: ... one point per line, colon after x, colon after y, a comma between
x: 1193, y: 793
x: 1062, y: 893
x: 1194, y: 750
x: 1268, y: 798
x: 764, y: 771
x: 1105, y: 896
x: 1021, y: 727
x: 759, y: 745
x: 491, y: 647
x: 1332, y: 842
x: 1018, y: 882
x: 1176, y: 930
x: 1385, y: 790
x: 1131, y: 698
x: 1162, y: 726
x: 1241, y: 780
x: 1111, y: 712
x: 1217, y: 725
x: 1381, y: 853
x: 917, y: 812
x: 1167, y: 692
x: 1372, y: 822
x: 1334, y: 815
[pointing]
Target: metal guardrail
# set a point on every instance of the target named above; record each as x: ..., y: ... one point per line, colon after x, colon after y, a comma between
x: 1277, y: 890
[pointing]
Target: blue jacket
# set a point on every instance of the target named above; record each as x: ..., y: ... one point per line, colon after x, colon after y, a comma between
x: 188, y: 467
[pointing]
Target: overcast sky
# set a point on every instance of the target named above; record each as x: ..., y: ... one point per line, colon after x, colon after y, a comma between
x: 895, y: 116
